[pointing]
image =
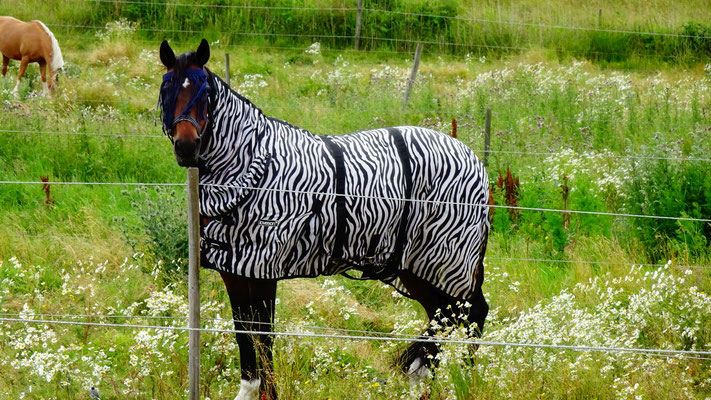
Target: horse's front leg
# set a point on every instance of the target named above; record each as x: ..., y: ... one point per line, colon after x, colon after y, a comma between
x: 252, y: 310
x: 43, y: 73
x: 23, y: 67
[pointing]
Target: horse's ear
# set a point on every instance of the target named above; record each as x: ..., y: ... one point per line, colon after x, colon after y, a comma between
x: 203, y: 53
x: 167, y: 57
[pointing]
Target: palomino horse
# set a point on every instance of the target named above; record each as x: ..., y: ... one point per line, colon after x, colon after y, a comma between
x: 406, y: 206
x: 29, y: 42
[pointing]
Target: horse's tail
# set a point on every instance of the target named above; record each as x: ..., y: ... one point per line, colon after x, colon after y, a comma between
x: 57, y: 60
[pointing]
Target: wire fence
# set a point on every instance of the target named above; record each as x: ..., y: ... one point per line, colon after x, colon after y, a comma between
x: 296, y: 330
x: 365, y: 197
x: 401, y: 13
x: 489, y: 259
x: 479, y: 151
x: 550, y: 118
x: 374, y: 39
x: 346, y: 37
x: 698, y: 354
x: 99, y: 134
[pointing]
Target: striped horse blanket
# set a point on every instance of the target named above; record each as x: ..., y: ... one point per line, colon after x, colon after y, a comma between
x: 285, y: 203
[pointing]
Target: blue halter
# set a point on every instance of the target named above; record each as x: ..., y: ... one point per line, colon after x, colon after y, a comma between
x: 169, y: 94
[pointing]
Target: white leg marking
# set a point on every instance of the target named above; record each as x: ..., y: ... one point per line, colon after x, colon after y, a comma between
x: 418, y: 371
x: 248, y: 390
x: 17, y: 85
x: 45, y: 89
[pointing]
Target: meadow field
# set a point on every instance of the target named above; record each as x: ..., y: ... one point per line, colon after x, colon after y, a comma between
x: 586, y: 116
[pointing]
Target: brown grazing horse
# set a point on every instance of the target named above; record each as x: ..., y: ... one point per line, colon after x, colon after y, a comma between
x: 29, y: 42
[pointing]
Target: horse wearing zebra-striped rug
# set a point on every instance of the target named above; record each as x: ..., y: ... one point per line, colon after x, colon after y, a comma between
x: 30, y: 42
x: 406, y: 206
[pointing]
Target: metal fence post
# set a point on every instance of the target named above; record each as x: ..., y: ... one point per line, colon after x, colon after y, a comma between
x: 193, y: 285
x: 413, y: 74
x: 487, y: 136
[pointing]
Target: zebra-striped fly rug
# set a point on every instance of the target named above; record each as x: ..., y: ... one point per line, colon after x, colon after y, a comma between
x: 285, y: 203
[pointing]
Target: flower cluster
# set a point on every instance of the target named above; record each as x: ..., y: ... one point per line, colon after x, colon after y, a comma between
x: 122, y: 28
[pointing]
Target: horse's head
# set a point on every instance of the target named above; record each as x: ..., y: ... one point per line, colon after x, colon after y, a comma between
x: 184, y: 100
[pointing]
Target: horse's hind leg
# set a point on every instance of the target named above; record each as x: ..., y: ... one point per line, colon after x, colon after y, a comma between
x: 5, y: 61
x: 419, y: 356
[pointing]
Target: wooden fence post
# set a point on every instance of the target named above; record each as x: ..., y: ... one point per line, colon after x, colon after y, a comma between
x: 599, y: 17
x: 487, y: 136
x: 193, y: 285
x: 359, y: 16
x: 227, y: 69
x: 413, y: 74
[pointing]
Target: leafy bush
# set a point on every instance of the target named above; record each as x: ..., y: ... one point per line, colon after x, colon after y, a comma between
x: 676, y: 188
x: 698, y: 35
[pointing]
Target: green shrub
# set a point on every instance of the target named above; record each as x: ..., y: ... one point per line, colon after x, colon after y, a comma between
x: 163, y: 231
x: 675, y: 188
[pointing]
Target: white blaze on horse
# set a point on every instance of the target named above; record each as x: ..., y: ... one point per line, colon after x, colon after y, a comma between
x: 30, y: 42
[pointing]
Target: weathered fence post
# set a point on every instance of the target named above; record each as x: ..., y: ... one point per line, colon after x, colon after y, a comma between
x: 599, y: 17
x: 487, y: 136
x: 413, y: 74
x: 193, y: 285
x: 359, y: 16
x: 227, y: 69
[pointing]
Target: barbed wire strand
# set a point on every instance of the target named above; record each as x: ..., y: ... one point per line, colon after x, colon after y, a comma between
x: 545, y: 260
x: 554, y: 118
x: 94, y: 183
x: 349, y: 37
x: 604, y: 349
x: 367, y: 197
x: 540, y: 25
x: 202, y: 318
x: 631, y: 157
x: 487, y: 258
x: 479, y: 151
x: 227, y: 6
x: 385, y: 335
x: 61, y: 237
x: 456, y: 203
x: 128, y: 135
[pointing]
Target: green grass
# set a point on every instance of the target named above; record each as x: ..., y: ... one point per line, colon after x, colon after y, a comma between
x: 116, y: 250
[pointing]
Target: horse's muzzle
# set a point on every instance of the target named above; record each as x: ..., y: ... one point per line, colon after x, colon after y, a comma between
x: 186, y: 152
